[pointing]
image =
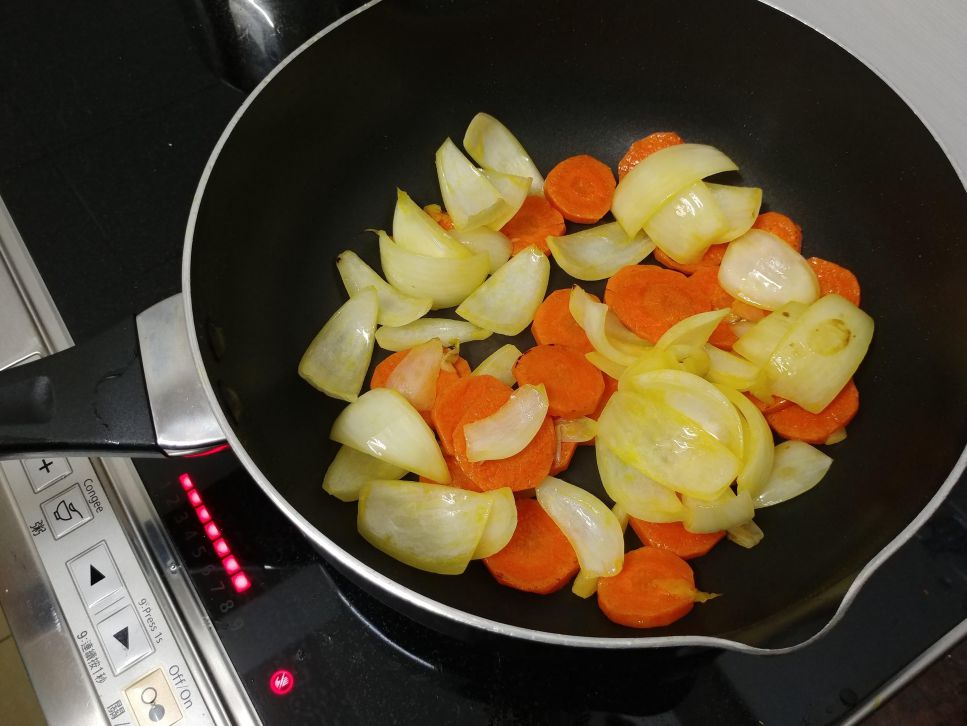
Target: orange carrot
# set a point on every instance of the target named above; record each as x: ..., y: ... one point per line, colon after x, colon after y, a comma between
x: 439, y: 216
x: 554, y: 325
x: 538, y: 557
x: 573, y: 385
x: 795, y: 422
x: 563, y: 456
x: 459, y: 479
x: 673, y: 536
x: 649, y: 299
x: 642, y: 148
x: 705, y: 283
x: 777, y: 403
x: 654, y: 588
x: 836, y: 279
x: 454, y: 400
x: 782, y: 227
x: 580, y: 188
x: 534, y: 222
x: 712, y: 258
x: 610, y: 386
x: 748, y: 312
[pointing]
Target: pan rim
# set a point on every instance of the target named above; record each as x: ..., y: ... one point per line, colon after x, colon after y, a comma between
x: 433, y: 607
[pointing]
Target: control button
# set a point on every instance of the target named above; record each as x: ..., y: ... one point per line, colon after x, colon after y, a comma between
x: 152, y: 701
x: 44, y: 472
x: 96, y: 577
x: 124, y: 639
x: 67, y: 511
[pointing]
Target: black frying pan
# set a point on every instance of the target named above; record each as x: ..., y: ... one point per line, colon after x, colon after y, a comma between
x: 314, y: 156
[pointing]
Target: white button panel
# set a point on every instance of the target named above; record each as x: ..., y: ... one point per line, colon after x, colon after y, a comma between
x: 96, y: 578
x: 123, y: 638
x: 44, y: 472
x: 66, y: 511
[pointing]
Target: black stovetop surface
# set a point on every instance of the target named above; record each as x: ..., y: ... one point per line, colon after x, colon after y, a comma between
x: 108, y: 112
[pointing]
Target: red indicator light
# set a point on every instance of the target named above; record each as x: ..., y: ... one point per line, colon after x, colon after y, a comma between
x: 240, y: 582
x: 212, y: 531
x: 281, y: 682
x: 203, y: 514
x: 194, y: 497
x: 231, y: 565
x: 221, y: 547
x: 186, y: 482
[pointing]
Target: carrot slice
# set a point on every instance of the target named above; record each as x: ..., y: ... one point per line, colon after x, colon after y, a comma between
x: 643, y: 148
x: 439, y: 216
x: 563, y: 460
x: 573, y: 385
x: 610, y: 386
x: 538, y: 558
x: 782, y: 227
x: 836, y: 279
x: 777, y: 403
x: 705, y: 283
x: 748, y: 312
x: 458, y: 478
x: 524, y: 470
x: 673, y: 536
x: 649, y: 299
x: 580, y: 188
x: 385, y: 368
x: 534, y: 222
x: 712, y: 258
x: 453, y: 401
x: 554, y: 325
x: 795, y: 422
x: 654, y: 588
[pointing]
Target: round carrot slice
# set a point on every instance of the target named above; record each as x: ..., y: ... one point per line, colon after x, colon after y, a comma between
x: 538, y: 557
x: 458, y: 478
x: 795, y: 422
x: 777, y: 403
x: 705, y: 283
x: 454, y: 400
x: 534, y: 222
x: 524, y: 470
x: 573, y: 385
x: 836, y: 279
x: 643, y: 148
x: 782, y: 227
x: 712, y: 258
x: 673, y: 536
x: 580, y: 188
x: 554, y: 325
x: 649, y: 299
x: 654, y: 588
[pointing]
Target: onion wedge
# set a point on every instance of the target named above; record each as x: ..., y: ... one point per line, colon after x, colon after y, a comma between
x: 589, y: 525
x: 501, y: 523
x: 338, y: 357
x: 757, y: 344
x: 486, y: 241
x: 746, y: 535
x: 428, y: 526
x: 500, y: 364
x: 395, y: 308
x: 636, y: 494
x: 506, y: 303
x: 576, y: 430
x: 727, y: 511
x: 687, y: 223
x: 416, y: 231
x: 491, y: 145
x: 445, y: 280
x: 599, y: 252
x: 740, y: 205
x: 511, y: 428
x: 416, y: 376
x: 758, y: 448
x: 798, y: 468
x: 471, y: 200
x: 350, y: 469
x: 646, y: 187
x: 609, y: 337
x: 605, y: 364
x: 449, y: 331
x: 383, y: 424
x: 513, y: 189
x: 731, y: 370
x: 694, y: 330
x: 764, y: 271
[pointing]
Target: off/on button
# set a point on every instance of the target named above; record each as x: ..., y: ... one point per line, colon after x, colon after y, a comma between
x: 152, y: 701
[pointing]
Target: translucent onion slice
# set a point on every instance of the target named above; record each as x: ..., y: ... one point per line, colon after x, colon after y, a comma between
x: 636, y: 494
x: 650, y: 183
x: 621, y: 515
x: 450, y: 332
x: 500, y: 364
x: 798, y: 468
x: 576, y: 430
x: 593, y: 318
x: 446, y: 281
x: 691, y: 359
x: 501, y: 523
x: 416, y: 231
x: 757, y: 344
x: 599, y: 252
x: 687, y: 223
x: 731, y: 370
x: 508, y: 430
x: 395, y: 308
x: 506, y: 302
x: 513, y: 189
x: 761, y: 269
x: 820, y: 353
x: 416, y: 376
x: 663, y: 443
x: 837, y: 436
x: 471, y: 200
x: 740, y: 205
x: 350, y: 469
x: 383, y: 424
x: 338, y: 357
x: 428, y: 526
x: 589, y: 525
x: 694, y: 330
x: 758, y: 447
x: 741, y: 327
x: 727, y: 511
x: 491, y: 145
x: 486, y: 241
x: 605, y: 364
x: 746, y: 535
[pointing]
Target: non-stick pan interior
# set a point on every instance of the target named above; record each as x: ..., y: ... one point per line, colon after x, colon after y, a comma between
x: 317, y: 157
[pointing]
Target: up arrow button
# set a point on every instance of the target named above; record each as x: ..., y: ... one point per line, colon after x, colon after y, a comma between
x: 96, y: 578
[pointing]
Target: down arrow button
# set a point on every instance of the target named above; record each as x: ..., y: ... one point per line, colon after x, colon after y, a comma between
x: 121, y: 636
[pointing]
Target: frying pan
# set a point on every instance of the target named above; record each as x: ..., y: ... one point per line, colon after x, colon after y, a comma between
x: 312, y: 159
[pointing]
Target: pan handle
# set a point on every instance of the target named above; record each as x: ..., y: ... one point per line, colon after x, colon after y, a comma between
x: 131, y: 391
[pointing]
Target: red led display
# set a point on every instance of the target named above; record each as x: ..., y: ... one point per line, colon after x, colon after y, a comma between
x: 239, y: 579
